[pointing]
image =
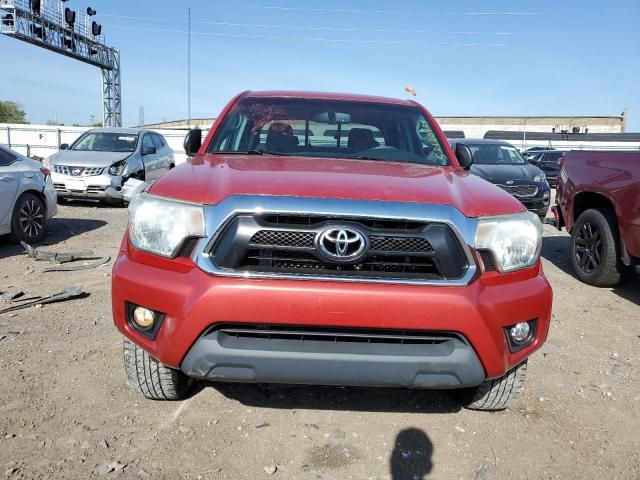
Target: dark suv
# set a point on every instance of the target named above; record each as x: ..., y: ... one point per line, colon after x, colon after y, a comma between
x: 547, y: 161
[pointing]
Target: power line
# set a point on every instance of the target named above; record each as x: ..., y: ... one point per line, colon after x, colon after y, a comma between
x: 347, y: 10
x: 277, y: 7
x: 363, y: 30
x: 311, y: 39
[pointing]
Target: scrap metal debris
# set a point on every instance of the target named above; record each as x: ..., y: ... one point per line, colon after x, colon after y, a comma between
x: 60, y: 258
x: 68, y: 293
x: 11, y: 295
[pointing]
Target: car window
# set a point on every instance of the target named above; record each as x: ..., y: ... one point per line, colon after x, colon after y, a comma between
x: 494, y: 154
x: 553, y: 157
x: 147, y: 141
x: 6, y: 158
x: 106, y: 142
x: 158, y: 141
x: 330, y: 128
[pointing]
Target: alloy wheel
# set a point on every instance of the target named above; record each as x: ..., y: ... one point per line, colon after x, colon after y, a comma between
x: 31, y: 218
x: 588, y: 248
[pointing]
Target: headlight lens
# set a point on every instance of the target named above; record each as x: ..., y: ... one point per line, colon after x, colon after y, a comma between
x: 539, y: 178
x: 160, y: 226
x: 515, y: 240
x: 118, y: 168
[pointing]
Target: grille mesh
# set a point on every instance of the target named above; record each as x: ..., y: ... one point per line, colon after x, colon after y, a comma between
x: 520, y: 190
x: 281, y: 238
x: 400, y: 244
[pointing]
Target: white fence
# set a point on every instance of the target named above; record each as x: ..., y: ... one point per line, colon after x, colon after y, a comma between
x: 45, y: 140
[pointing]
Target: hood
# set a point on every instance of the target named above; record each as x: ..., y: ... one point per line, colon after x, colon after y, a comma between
x: 77, y: 158
x: 501, y: 173
x: 212, y: 178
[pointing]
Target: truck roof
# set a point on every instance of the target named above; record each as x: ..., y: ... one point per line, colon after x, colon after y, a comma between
x: 328, y: 96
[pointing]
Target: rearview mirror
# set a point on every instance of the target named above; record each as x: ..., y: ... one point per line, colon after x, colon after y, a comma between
x: 332, y: 118
x: 149, y: 151
x: 64, y: 146
x: 464, y: 155
x: 193, y: 142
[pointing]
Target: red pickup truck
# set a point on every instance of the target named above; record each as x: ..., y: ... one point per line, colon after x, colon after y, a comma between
x: 319, y: 238
x: 598, y: 202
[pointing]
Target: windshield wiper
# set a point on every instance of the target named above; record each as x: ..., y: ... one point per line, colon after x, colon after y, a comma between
x: 267, y: 152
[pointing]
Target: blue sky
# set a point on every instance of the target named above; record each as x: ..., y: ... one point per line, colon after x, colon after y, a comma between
x: 463, y: 57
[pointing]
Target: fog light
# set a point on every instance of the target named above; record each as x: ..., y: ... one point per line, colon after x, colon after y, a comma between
x: 520, y: 332
x: 145, y: 318
x: 545, y: 194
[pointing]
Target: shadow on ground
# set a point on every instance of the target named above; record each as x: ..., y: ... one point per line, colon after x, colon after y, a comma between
x: 58, y: 230
x: 556, y: 250
x: 412, y: 455
x: 358, y: 399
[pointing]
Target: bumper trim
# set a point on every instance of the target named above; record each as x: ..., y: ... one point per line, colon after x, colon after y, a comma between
x: 217, y: 356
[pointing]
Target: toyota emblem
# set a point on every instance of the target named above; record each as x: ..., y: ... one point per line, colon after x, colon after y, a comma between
x: 342, y: 244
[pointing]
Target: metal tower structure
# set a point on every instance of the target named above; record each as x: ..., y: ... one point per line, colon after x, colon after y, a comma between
x: 52, y: 25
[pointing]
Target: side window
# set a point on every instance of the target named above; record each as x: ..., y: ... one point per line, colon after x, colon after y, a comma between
x: 430, y: 144
x: 147, y: 141
x: 6, y: 158
x: 157, y: 140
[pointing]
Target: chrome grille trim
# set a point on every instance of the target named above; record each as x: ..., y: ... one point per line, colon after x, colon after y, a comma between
x: 218, y: 216
x: 84, y: 171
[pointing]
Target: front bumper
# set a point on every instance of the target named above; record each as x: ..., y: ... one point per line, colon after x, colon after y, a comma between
x: 194, y: 302
x: 218, y: 355
x: 98, y: 187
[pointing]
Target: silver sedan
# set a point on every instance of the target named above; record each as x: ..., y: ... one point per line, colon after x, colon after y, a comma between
x: 101, y: 160
x: 27, y: 197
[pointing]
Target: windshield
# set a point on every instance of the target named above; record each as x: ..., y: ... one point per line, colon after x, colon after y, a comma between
x: 106, y: 142
x: 496, y: 155
x: 325, y: 128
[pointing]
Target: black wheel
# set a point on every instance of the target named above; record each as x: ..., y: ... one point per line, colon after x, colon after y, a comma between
x: 29, y: 219
x: 496, y: 394
x: 150, y: 378
x: 595, y: 248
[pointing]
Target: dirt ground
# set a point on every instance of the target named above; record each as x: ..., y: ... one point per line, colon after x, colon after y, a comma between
x: 66, y: 411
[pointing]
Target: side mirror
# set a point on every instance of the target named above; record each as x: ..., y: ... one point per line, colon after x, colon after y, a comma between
x: 149, y: 151
x: 64, y: 146
x: 193, y: 141
x: 464, y: 155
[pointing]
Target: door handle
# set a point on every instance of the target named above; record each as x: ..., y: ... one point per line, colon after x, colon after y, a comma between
x: 6, y: 177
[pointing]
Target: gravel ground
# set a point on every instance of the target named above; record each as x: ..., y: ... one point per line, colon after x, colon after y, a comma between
x: 66, y: 411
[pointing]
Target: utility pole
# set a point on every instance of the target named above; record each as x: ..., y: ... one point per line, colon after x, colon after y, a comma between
x: 92, y: 118
x: 189, y: 67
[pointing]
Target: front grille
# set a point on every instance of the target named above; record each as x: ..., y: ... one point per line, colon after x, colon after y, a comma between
x: 299, y: 333
x: 291, y: 245
x: 77, y: 171
x: 96, y: 189
x: 280, y: 238
x: 60, y: 187
x: 520, y: 190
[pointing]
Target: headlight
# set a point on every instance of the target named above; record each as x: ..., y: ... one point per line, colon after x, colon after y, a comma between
x: 515, y: 240
x: 539, y: 178
x: 118, y: 168
x: 160, y: 226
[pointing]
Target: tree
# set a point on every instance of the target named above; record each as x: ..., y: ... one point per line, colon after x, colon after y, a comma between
x: 97, y: 124
x: 11, y: 112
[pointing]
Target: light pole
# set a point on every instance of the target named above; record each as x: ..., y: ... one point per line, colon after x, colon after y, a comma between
x: 189, y: 68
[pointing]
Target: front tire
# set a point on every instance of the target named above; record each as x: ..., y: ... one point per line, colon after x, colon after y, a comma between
x: 496, y: 394
x: 150, y: 378
x: 595, y: 248
x: 29, y: 219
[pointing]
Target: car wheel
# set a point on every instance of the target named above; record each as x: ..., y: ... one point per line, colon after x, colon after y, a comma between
x: 495, y: 394
x: 150, y: 378
x: 29, y: 219
x: 595, y: 248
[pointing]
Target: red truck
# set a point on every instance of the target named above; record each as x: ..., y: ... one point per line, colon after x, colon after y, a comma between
x: 598, y: 202
x: 319, y: 238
